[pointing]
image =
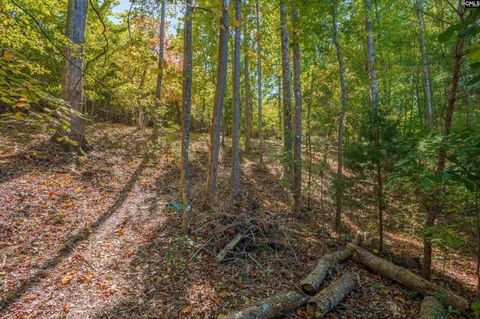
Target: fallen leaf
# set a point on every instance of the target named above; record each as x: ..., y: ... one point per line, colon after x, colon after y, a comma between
x: 68, y: 277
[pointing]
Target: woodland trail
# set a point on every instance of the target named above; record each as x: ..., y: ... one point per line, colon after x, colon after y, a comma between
x: 89, y: 270
x: 94, y: 238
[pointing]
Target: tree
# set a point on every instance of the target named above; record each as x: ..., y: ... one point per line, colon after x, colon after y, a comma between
x: 211, y: 186
x: 427, y: 82
x: 341, y: 125
x: 186, y: 109
x: 259, y: 80
x: 297, y: 116
x: 434, y: 208
x: 286, y: 91
x: 161, y: 36
x: 73, y: 139
x: 372, y: 74
x: 236, y: 103
x: 248, y: 100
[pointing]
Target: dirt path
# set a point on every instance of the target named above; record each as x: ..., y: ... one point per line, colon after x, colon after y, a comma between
x: 113, y: 213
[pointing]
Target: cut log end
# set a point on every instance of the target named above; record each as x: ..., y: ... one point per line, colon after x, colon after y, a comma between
x: 313, y: 281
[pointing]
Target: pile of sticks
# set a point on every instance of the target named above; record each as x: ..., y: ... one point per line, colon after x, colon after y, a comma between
x: 236, y: 234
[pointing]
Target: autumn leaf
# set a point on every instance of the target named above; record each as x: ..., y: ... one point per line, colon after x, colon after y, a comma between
x: 66, y: 308
x: 7, y: 55
x: 68, y: 277
x: 186, y: 310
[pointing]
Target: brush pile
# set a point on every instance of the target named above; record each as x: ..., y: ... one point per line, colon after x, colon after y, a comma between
x: 235, y: 232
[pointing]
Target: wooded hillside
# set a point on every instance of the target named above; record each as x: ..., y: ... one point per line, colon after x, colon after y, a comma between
x: 239, y: 159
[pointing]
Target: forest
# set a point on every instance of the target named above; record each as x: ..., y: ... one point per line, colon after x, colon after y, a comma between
x: 240, y: 159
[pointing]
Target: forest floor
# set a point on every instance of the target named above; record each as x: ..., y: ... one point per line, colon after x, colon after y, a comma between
x: 92, y: 237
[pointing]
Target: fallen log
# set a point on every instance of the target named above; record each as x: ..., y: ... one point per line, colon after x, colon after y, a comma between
x: 231, y: 244
x: 431, y: 308
x: 320, y: 304
x: 273, y: 307
x: 409, y: 279
x: 312, y: 282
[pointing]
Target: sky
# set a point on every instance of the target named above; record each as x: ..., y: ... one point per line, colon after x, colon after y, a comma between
x: 124, y: 5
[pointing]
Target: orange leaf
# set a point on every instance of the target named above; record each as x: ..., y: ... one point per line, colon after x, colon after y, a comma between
x: 68, y: 277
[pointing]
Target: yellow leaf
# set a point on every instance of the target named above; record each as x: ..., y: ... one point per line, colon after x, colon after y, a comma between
x: 236, y: 23
x: 399, y: 298
x: 7, y: 55
x: 68, y: 277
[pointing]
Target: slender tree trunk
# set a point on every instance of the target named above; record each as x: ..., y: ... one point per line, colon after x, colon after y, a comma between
x: 279, y: 105
x: 186, y: 109
x: 161, y: 32
x: 434, y: 209
x: 372, y: 73
x: 286, y: 91
x: 141, y: 111
x: 309, y: 143
x: 297, y: 116
x: 426, y: 67
x: 259, y: 81
x: 211, y: 186
x: 248, y: 105
x: 73, y: 139
x: 341, y: 126
x: 236, y: 103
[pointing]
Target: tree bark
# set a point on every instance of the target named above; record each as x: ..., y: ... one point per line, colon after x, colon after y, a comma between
x: 426, y: 66
x: 286, y: 91
x: 320, y: 304
x: 273, y: 307
x: 372, y: 74
x: 73, y: 139
x: 431, y: 308
x: 248, y: 105
x: 409, y: 279
x: 211, y: 186
x: 341, y: 125
x: 236, y: 104
x: 161, y: 31
x: 186, y: 110
x: 312, y: 282
x: 259, y: 81
x: 434, y: 208
x: 141, y: 111
x: 297, y: 117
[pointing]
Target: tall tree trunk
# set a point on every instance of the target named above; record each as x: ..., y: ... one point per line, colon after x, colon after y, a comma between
x: 279, y: 105
x: 236, y: 103
x: 297, y: 116
x: 434, y: 208
x: 73, y: 139
x: 286, y: 91
x: 426, y: 67
x: 141, y: 111
x: 186, y: 109
x: 372, y: 73
x: 211, y: 186
x: 161, y: 32
x: 248, y: 104
x: 259, y: 81
x: 339, y: 182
